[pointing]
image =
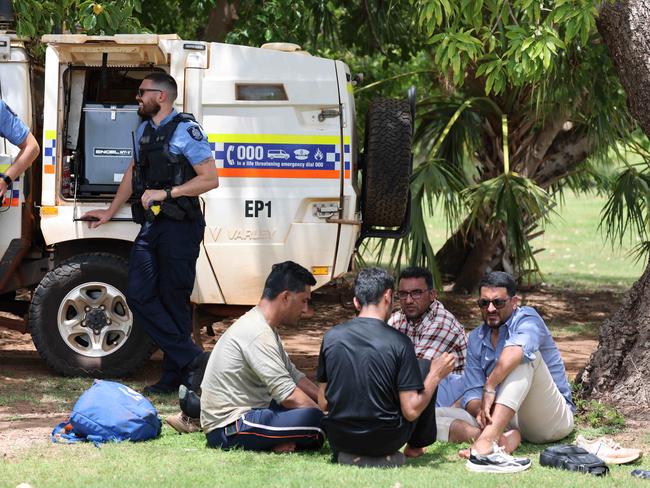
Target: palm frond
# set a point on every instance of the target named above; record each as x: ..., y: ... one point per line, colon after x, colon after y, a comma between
x: 626, y: 210
x: 509, y: 203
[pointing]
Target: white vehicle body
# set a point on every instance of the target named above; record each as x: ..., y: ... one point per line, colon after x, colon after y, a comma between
x: 265, y: 209
x: 281, y: 126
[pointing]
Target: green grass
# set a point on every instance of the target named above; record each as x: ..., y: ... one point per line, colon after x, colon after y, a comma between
x: 184, y: 461
x: 559, y: 328
x: 44, y: 392
x: 174, y: 460
x: 576, y: 253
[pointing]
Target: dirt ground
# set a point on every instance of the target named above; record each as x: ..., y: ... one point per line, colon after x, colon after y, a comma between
x: 23, y: 424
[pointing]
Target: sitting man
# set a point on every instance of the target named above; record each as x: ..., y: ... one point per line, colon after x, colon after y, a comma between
x: 371, y: 382
x: 252, y: 395
x: 514, y: 376
x: 425, y: 321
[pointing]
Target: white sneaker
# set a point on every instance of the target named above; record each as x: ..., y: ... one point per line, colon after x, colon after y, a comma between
x: 608, y: 450
x: 496, y: 462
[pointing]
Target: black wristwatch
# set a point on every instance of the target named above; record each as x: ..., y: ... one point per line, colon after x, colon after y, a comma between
x: 168, y: 191
x: 7, y: 179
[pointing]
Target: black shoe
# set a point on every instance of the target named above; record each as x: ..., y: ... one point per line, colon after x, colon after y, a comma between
x: 160, y: 389
x: 641, y: 473
x: 189, y: 401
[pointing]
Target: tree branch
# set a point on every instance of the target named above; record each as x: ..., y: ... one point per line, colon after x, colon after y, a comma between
x: 568, y: 150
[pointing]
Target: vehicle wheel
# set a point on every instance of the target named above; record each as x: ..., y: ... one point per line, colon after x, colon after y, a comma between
x: 80, y: 322
x: 387, y: 162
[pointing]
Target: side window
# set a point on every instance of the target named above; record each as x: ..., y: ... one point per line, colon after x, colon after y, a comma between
x: 260, y: 92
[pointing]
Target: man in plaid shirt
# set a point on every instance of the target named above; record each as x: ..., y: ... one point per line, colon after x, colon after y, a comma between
x: 432, y: 328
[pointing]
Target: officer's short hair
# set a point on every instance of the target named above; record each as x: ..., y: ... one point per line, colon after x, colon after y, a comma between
x: 499, y: 279
x: 418, y: 272
x: 164, y: 82
x: 287, y: 276
x: 371, y: 284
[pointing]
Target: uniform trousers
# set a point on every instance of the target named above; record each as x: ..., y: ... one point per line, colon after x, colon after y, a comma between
x: 162, y: 268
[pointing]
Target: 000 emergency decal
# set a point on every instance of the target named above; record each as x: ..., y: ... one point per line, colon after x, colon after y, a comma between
x: 279, y: 156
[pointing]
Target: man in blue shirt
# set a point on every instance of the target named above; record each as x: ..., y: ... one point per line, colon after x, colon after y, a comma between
x: 15, y: 131
x: 514, y: 376
x: 173, y: 166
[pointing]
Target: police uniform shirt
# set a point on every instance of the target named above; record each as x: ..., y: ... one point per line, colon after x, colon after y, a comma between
x: 188, y: 139
x: 11, y: 127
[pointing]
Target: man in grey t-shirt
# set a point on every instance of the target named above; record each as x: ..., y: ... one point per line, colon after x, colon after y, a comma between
x: 252, y: 394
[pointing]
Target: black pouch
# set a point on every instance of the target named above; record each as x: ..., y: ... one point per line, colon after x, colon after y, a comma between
x: 190, y: 206
x: 573, y: 458
x: 137, y: 212
x: 172, y: 211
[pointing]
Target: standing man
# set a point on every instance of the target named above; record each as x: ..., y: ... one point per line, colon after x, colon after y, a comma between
x: 425, y: 321
x: 513, y: 369
x: 252, y: 395
x: 371, y: 383
x: 173, y: 165
x: 15, y: 131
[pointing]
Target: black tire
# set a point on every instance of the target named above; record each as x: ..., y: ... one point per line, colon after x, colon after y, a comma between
x: 387, y: 170
x: 68, y: 303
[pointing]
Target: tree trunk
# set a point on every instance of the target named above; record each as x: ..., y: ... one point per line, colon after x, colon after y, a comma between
x: 479, y: 258
x: 619, y: 370
x: 625, y: 27
x: 221, y: 21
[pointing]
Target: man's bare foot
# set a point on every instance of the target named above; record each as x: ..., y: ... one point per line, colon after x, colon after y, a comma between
x: 464, y: 453
x: 510, y: 440
x: 286, y: 447
x: 414, y: 452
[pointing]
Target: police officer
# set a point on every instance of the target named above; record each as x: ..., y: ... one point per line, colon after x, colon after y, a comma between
x: 173, y: 165
x: 15, y: 131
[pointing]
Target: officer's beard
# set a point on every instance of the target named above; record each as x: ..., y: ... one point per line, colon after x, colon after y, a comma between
x: 149, y: 110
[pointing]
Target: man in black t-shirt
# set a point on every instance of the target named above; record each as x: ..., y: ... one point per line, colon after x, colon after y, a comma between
x: 371, y: 383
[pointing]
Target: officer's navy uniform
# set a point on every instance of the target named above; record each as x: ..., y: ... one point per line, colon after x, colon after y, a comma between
x: 163, y: 258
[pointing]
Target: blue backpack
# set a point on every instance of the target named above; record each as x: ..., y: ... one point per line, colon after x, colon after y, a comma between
x: 109, y: 411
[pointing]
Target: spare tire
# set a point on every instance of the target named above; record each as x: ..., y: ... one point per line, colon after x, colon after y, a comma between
x: 80, y: 322
x: 387, y: 171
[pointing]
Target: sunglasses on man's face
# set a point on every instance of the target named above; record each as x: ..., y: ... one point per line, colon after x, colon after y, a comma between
x: 142, y: 91
x: 498, y: 303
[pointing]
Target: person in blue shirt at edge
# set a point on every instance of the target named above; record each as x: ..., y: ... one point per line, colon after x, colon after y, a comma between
x: 15, y: 131
x: 173, y: 165
x: 514, y: 377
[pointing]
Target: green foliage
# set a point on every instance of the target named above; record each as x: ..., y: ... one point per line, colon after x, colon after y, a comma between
x: 506, y: 204
x: 626, y: 215
x: 509, y: 44
x: 595, y: 414
x: 599, y: 415
x: 35, y: 17
x: 187, y: 18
